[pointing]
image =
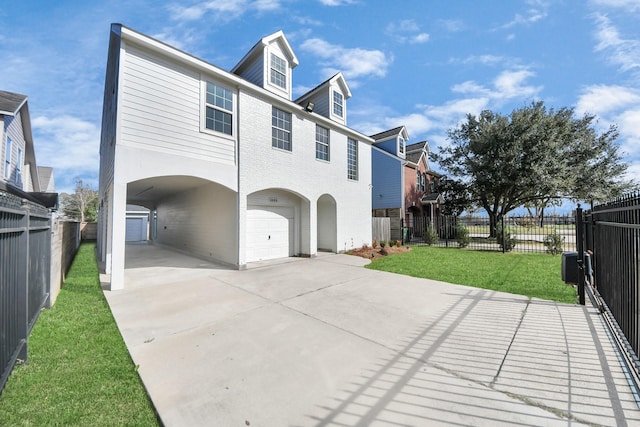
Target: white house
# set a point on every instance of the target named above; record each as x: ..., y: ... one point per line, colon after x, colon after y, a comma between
x: 232, y: 169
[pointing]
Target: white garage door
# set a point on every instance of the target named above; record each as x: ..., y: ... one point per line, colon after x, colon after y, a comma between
x: 270, y: 232
x: 136, y: 230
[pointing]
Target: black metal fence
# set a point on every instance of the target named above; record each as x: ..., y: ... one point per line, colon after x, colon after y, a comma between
x: 513, y: 233
x: 25, y: 255
x: 612, y: 234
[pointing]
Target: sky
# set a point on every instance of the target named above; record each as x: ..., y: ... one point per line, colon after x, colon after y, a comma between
x: 424, y: 64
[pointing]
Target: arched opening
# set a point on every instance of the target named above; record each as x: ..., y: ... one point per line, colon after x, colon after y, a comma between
x: 273, y: 222
x: 327, y: 224
x: 186, y: 213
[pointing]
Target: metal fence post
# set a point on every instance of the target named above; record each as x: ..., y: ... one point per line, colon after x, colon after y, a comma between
x: 580, y: 247
x: 502, y: 231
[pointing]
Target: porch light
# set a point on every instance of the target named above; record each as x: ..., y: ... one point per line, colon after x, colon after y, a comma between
x: 309, y: 106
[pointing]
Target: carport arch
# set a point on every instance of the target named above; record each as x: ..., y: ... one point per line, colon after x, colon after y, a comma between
x: 327, y: 220
x: 188, y: 213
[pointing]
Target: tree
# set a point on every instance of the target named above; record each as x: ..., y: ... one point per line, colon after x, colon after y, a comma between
x: 532, y: 157
x: 81, y: 205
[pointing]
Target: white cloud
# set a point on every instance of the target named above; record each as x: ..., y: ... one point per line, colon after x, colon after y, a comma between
x: 603, y: 99
x: 624, y: 53
x: 336, y: 2
x: 353, y: 62
x: 510, y: 84
x: 226, y: 10
x: 629, y: 5
x: 407, y: 31
x: 69, y: 145
x: 538, y: 10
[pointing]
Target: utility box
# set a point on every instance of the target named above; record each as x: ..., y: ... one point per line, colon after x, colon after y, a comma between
x: 570, y: 266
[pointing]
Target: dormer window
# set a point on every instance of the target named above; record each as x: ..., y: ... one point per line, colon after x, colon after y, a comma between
x: 401, y: 145
x: 278, y: 71
x: 338, y: 101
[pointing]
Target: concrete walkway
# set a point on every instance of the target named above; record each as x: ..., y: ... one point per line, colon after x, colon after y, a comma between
x: 326, y: 342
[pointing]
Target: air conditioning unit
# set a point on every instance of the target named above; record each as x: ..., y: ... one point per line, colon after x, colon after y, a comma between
x: 570, y: 266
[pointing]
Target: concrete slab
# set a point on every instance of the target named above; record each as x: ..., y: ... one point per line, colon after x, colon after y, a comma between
x: 325, y: 342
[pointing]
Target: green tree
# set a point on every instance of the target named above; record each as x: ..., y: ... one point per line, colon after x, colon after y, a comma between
x: 532, y: 157
x: 82, y: 205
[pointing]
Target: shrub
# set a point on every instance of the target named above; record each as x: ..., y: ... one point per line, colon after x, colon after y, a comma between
x: 383, y: 243
x: 430, y: 236
x: 374, y: 244
x: 553, y: 242
x: 398, y: 243
x: 462, y: 236
x: 505, y: 238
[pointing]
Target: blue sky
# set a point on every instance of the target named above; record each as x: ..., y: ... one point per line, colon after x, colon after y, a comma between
x: 422, y: 64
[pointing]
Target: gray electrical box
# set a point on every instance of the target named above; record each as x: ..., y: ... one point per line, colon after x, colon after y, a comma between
x: 570, y: 266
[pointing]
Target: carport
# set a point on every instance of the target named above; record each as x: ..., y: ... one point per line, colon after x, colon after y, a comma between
x: 189, y: 214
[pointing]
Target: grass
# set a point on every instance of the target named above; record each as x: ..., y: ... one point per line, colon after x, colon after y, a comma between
x: 533, y: 275
x: 79, y: 372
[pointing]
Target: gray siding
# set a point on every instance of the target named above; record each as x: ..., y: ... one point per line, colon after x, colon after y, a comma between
x: 387, y: 181
x: 255, y: 72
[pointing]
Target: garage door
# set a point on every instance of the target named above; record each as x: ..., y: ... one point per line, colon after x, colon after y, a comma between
x: 270, y: 232
x: 136, y: 230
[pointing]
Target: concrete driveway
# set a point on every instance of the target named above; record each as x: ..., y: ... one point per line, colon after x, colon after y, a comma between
x: 326, y: 342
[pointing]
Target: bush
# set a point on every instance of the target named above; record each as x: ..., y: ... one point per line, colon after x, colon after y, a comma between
x: 398, y: 243
x: 374, y: 244
x: 430, y: 236
x: 383, y: 243
x: 462, y: 236
x: 553, y: 242
x: 505, y: 238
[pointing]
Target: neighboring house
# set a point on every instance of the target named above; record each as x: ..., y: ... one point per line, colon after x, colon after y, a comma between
x: 422, y: 199
x: 230, y: 167
x: 405, y: 189
x: 18, y: 156
x: 387, y: 177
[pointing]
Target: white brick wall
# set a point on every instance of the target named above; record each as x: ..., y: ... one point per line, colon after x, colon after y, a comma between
x: 264, y: 167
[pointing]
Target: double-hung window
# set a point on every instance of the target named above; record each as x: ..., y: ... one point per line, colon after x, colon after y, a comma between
x: 352, y: 159
x: 7, y: 159
x: 401, y: 145
x: 338, y: 103
x: 219, y: 109
x: 322, y: 143
x: 423, y: 183
x: 417, y: 179
x: 280, y: 129
x: 278, y: 71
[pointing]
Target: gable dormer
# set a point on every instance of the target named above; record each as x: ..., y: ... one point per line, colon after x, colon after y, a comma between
x: 329, y: 99
x: 419, y: 153
x: 392, y: 141
x: 269, y: 64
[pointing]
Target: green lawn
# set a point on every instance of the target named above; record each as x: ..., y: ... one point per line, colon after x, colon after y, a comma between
x: 79, y: 372
x: 533, y: 275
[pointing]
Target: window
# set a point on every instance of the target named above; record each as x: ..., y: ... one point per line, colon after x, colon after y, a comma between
x: 432, y: 185
x: 417, y: 179
x: 422, y: 183
x: 278, y: 71
x: 337, y: 103
x: 322, y: 143
x: 19, y: 167
x: 281, y: 129
x: 7, y: 159
x: 401, y: 145
x: 219, y: 109
x: 352, y: 159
